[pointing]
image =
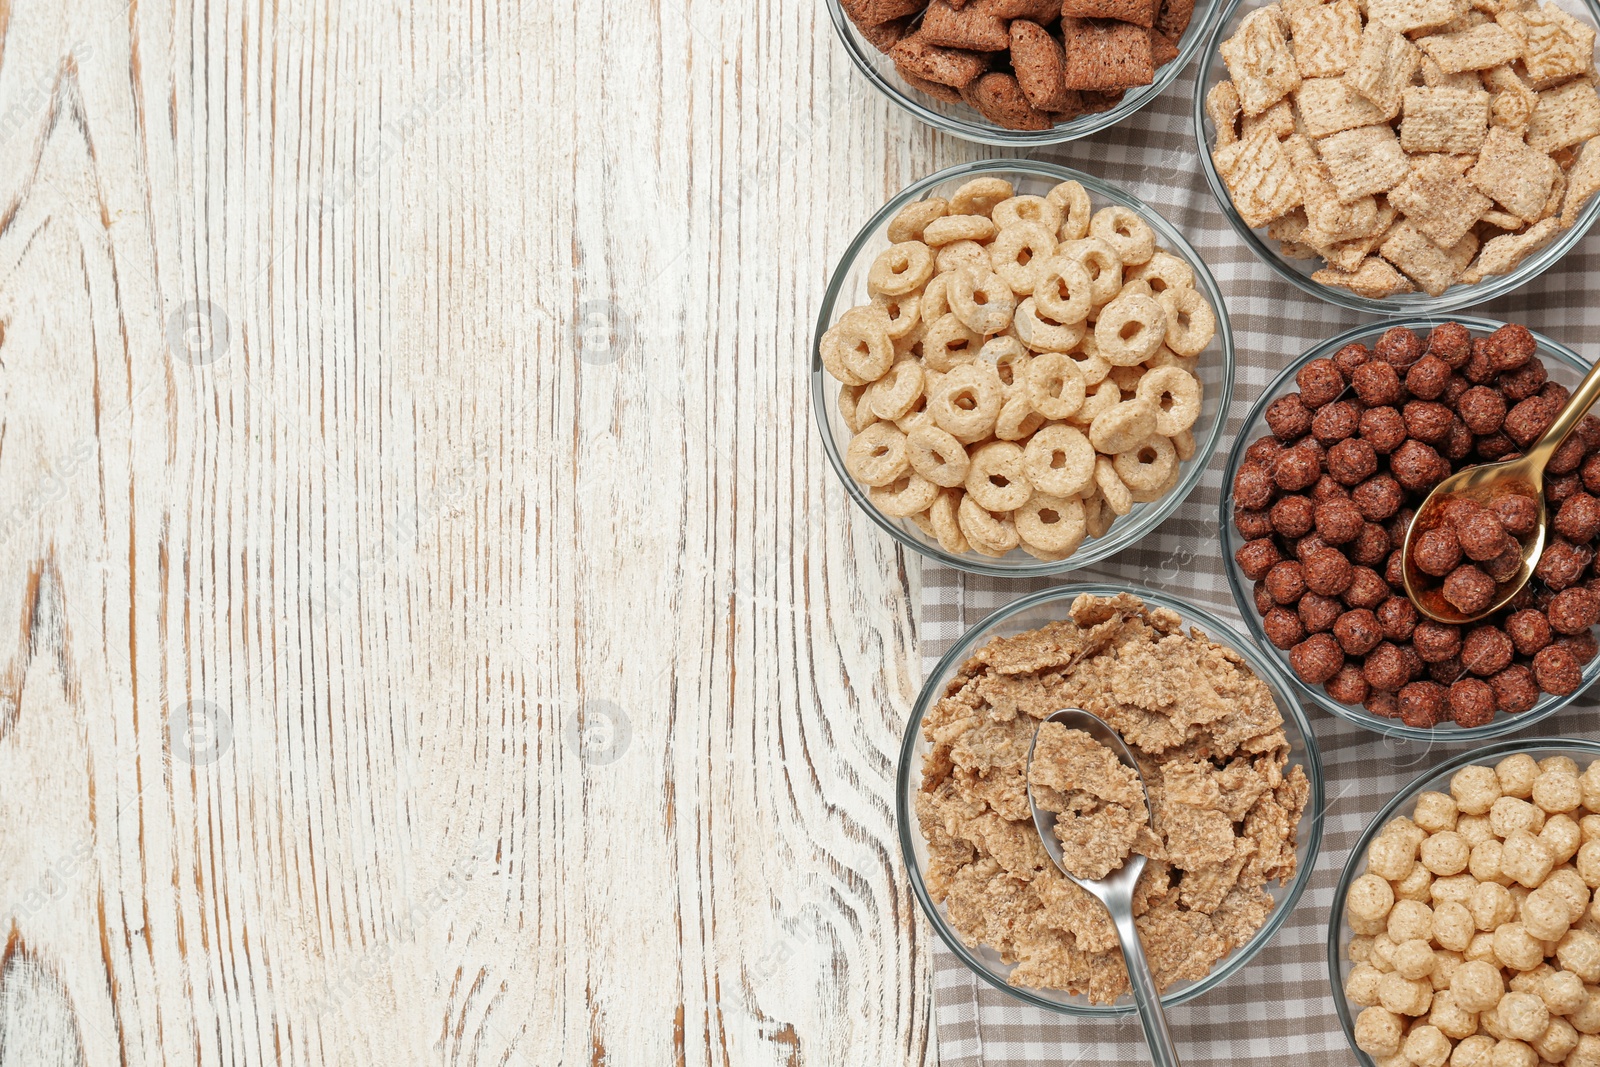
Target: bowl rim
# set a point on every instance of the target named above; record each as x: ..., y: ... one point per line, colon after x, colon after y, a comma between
x: 1457, y: 296
x: 982, y: 131
x: 1358, y: 851
x: 1192, y: 615
x: 1445, y: 735
x: 1091, y: 551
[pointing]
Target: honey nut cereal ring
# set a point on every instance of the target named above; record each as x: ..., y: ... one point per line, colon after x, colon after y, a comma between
x: 1010, y: 359
x: 1055, y: 385
x: 1063, y: 290
x: 967, y: 402
x: 892, y: 396
x: 1130, y: 329
x: 981, y: 301
x: 1101, y: 399
x: 877, y: 455
x: 947, y: 343
x: 990, y: 534
x: 1089, y: 360
x: 1183, y: 445
x: 995, y: 478
x: 856, y: 349
x: 909, y: 221
x: 1125, y: 231
x: 906, y: 496
x: 946, y: 527
x: 1116, y: 494
x: 924, y: 523
x: 1051, y: 523
x: 937, y: 455
x: 1134, y: 287
x: 855, y: 415
x: 1147, y: 467
x: 1059, y: 460
x: 1190, y: 321
x: 1017, y: 420
x: 1102, y: 262
x: 1127, y: 378
x: 1165, y: 357
x: 958, y: 254
x: 1097, y: 514
x: 958, y: 228
x: 1164, y: 271
x: 909, y: 344
x: 1076, y: 210
x: 900, y: 269
x: 915, y: 418
x: 980, y: 195
x: 1027, y: 209
x: 904, y: 311
x: 1041, y: 554
x: 1018, y: 251
x: 1042, y: 335
x: 934, y: 304
x: 1123, y: 427
x: 1145, y: 496
x: 1175, y: 395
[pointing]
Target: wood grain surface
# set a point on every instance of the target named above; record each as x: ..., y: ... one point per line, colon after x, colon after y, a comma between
x: 429, y: 629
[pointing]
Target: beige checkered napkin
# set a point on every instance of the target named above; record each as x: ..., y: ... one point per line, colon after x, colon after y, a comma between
x: 1280, y: 1003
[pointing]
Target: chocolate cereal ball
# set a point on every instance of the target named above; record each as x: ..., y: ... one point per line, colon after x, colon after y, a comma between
x: 1264, y: 451
x: 1371, y: 546
x: 1451, y: 342
x: 1435, y: 641
x: 1257, y: 557
x: 1559, y: 488
x: 1417, y: 466
x: 1427, y: 378
x: 1529, y: 631
x: 1339, y: 521
x: 1427, y: 420
x: 1515, y: 690
x: 1394, y: 570
x: 1477, y: 530
x: 1468, y: 589
x: 1352, y: 461
x: 1561, y: 564
x: 1328, y: 572
x: 1286, y: 582
x: 1590, y: 472
x: 1573, y: 611
x: 1528, y: 421
x: 1316, y: 659
x: 1367, y: 589
x: 1482, y: 409
x: 1510, y: 347
x: 1486, y: 650
x: 1383, y: 428
x: 1446, y: 671
x: 1382, y: 703
x: 1252, y: 486
x: 1262, y: 599
x: 1398, y: 617
x: 1307, y: 545
x: 1358, y: 632
x: 1569, y: 457
x: 1471, y: 702
x: 1328, y: 489
x: 1349, y: 686
x: 1398, y: 346
x: 1497, y: 445
x: 1583, y: 646
x: 1293, y: 516
x: 1376, y: 384
x: 1288, y: 417
x: 1283, y: 628
x: 1378, y: 497
x: 1320, y: 383
x: 1296, y: 468
x: 1454, y: 388
x: 1459, y: 442
x: 1318, y: 613
x: 1578, y: 519
x: 1556, y: 671
x: 1386, y: 667
x: 1479, y: 368
x: 1334, y: 422
x: 1524, y: 382
x: 1519, y: 515
x: 1436, y: 551
x: 1422, y: 704
x: 1252, y: 523
x: 1351, y: 356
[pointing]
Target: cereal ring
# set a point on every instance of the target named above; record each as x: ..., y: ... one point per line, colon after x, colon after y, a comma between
x: 907, y: 495
x: 1125, y: 231
x: 1175, y: 394
x: 1116, y: 494
x: 920, y: 518
x: 1190, y: 321
x: 1147, y: 467
x: 909, y: 344
x: 1018, y: 251
x: 904, y: 311
x: 1010, y: 358
x: 1183, y: 444
x: 1042, y: 335
x: 1017, y: 419
x: 877, y: 455
x: 1165, y: 357
x: 1127, y: 378
x: 958, y: 254
x: 981, y: 300
x: 942, y: 517
x: 937, y: 455
x: 1123, y: 427
x: 942, y: 231
x: 1052, y: 524
x: 900, y: 269
x: 1102, y: 262
x: 986, y: 533
x: 1133, y: 287
x: 1130, y: 329
x: 1075, y: 209
x: 1027, y: 209
x: 1089, y: 360
x: 1101, y: 399
x: 948, y: 343
x: 980, y: 195
x: 995, y: 477
x: 967, y: 403
x: 1098, y: 515
x: 909, y: 221
x: 1055, y: 385
x: 856, y: 349
x: 934, y: 303
x: 893, y: 396
x: 856, y: 415
x: 918, y: 415
x: 1164, y: 271
x: 1063, y: 290
x: 1059, y: 460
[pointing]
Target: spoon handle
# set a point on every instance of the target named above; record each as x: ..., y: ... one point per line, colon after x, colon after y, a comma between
x: 1583, y: 397
x: 1151, y: 1017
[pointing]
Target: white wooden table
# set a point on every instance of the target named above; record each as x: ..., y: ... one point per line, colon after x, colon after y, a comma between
x: 429, y: 630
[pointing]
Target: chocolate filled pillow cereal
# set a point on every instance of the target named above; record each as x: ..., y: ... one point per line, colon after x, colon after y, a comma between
x: 1025, y: 367
x: 1225, y: 804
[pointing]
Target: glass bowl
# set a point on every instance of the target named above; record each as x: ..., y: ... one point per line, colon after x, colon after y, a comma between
x: 1298, y: 272
x: 966, y: 123
x: 1031, y: 612
x: 848, y: 286
x: 1564, y: 366
x: 1435, y: 780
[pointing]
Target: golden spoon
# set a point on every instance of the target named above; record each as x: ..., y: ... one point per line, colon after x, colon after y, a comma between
x: 1485, y: 484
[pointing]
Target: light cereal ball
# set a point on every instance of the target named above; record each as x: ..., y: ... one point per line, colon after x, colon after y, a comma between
x: 1526, y: 859
x: 1378, y: 1032
x: 1404, y: 996
x: 1569, y: 885
x: 1382, y: 954
x: 1586, y: 1053
x: 1522, y: 1016
x: 1558, y: 1039
x: 1450, y: 1017
x: 1588, y: 861
x: 1477, y: 986
x: 1508, y: 815
x: 1475, y: 829
x: 1528, y: 981
x: 1474, y: 1051
x: 1453, y: 926
x: 1435, y: 812
x: 1414, y: 959
x: 1484, y: 863
x: 1562, y: 992
x: 1516, y: 774
x: 1491, y: 905
x: 1545, y: 915
x: 1370, y: 897
x: 1359, y: 949
x: 1418, y: 885
x: 1368, y: 927
x: 1564, y: 764
x: 1516, y: 948
x: 1392, y: 856
x: 1557, y: 792
x: 1586, y: 1020
x: 1510, y: 1052
x: 1362, y: 985
x: 1410, y: 919
x: 1590, y: 825
x: 1445, y: 963
x: 1579, y: 953
x: 1426, y: 1046
x: 1475, y: 789
x: 1445, y: 853
x: 1589, y: 782
x: 1456, y: 887
x: 1482, y: 948
x: 1406, y: 827
x: 1562, y: 837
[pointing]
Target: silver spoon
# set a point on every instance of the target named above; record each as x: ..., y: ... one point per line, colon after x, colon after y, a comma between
x: 1115, y: 890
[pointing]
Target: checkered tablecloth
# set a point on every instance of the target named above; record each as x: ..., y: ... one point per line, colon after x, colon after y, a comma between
x: 1280, y: 1004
